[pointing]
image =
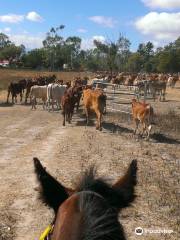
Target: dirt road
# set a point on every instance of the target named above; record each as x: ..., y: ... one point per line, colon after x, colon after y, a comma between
x: 65, y: 151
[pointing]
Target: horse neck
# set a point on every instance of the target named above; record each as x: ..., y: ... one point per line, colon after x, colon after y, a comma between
x: 68, y: 224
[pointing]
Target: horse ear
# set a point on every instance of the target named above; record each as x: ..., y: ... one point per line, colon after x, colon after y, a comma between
x: 53, y: 193
x: 125, y: 186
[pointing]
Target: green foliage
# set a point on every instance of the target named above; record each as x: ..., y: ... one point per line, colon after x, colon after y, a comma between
x: 135, y: 62
x: 112, y: 56
x: 123, y: 53
x: 146, y: 52
x: 110, y: 52
x: 169, y: 58
x: 35, y: 58
x: 4, y: 41
x: 9, y: 51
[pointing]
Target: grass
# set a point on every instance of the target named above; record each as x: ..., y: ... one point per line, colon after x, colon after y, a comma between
x: 7, y: 226
x: 157, y: 203
x: 9, y: 75
x: 165, y: 123
x: 168, y: 122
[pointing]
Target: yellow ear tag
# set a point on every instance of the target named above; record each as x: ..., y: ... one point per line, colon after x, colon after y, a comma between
x: 46, y: 232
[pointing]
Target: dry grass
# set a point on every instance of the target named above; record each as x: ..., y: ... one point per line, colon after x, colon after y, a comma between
x: 157, y: 203
x: 7, y: 226
x: 169, y: 122
x: 8, y: 75
x: 164, y: 124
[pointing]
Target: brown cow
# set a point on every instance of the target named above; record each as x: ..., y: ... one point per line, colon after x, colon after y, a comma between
x: 67, y: 108
x: 71, y: 97
x: 142, y: 113
x: 94, y: 100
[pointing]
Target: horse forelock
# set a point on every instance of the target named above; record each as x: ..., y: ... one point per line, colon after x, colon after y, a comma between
x: 100, y: 220
x: 90, y: 182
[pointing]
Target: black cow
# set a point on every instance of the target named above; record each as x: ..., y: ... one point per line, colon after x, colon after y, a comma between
x: 14, y: 89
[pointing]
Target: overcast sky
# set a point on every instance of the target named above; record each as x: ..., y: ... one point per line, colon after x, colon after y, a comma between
x: 139, y: 20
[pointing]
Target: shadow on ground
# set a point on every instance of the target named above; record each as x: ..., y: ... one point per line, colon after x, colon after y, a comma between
x: 112, y: 127
x: 4, y: 104
x: 161, y: 138
x: 10, y: 104
x: 82, y: 122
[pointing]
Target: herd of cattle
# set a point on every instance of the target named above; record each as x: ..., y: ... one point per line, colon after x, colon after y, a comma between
x: 154, y: 84
x: 67, y: 95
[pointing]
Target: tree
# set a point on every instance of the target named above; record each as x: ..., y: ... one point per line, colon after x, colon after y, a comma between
x: 146, y: 52
x: 135, y: 62
x: 4, y: 40
x: 73, y: 45
x: 53, y: 42
x: 11, y: 53
x: 110, y: 50
x: 168, y: 58
x: 123, y: 52
x: 9, y: 50
x: 36, y: 58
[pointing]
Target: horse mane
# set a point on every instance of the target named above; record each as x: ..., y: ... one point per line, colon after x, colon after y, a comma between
x: 100, y: 203
x: 90, y: 182
x: 99, y: 219
x: 116, y: 196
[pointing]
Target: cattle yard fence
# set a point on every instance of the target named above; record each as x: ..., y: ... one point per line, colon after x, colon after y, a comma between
x: 119, y: 97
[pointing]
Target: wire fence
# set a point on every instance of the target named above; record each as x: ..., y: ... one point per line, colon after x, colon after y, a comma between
x: 119, y: 97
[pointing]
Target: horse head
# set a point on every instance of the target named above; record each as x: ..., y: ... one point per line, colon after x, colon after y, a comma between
x: 90, y: 211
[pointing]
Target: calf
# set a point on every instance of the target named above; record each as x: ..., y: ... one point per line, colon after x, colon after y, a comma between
x: 38, y: 92
x: 94, y: 100
x: 142, y: 113
x: 71, y: 97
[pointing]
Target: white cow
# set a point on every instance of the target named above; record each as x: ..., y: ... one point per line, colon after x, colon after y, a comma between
x: 54, y: 94
x: 38, y: 92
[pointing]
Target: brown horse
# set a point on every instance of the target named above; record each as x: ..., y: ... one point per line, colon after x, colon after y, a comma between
x: 90, y: 212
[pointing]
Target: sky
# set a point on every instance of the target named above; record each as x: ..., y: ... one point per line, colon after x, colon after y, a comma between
x: 27, y: 21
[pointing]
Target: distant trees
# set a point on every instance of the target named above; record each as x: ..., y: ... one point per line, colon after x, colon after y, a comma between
x: 9, y: 51
x: 134, y: 63
x: 168, y: 58
x: 146, y: 52
x: 123, y: 53
x: 109, y: 52
x: 4, y: 41
x: 109, y: 55
x: 36, y: 58
x: 115, y: 54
